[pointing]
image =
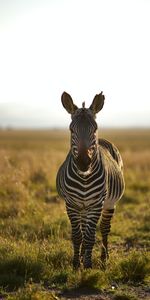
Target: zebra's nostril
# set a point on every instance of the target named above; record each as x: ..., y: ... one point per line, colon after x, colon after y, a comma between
x: 90, y: 152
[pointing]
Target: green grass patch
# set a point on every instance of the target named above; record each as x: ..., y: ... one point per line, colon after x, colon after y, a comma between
x: 87, y: 279
x: 134, y: 267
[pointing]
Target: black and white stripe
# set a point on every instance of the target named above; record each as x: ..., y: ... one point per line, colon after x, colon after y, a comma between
x: 91, y: 181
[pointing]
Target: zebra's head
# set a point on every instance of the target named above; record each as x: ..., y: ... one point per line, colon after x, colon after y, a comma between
x: 83, y: 129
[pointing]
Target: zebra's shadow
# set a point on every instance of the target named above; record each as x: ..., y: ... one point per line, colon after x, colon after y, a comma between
x: 84, y: 293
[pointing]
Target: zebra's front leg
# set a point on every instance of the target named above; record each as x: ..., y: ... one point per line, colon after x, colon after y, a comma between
x: 83, y: 227
x: 75, y: 220
x: 76, y: 240
x: 105, y: 226
x: 89, y: 238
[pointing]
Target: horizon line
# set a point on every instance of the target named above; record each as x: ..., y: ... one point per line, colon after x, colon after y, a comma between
x: 11, y: 128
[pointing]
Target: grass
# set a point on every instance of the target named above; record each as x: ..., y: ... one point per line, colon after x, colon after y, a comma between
x: 33, y: 292
x: 35, y: 244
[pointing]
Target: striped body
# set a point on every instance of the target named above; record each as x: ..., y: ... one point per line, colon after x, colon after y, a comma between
x: 86, y: 196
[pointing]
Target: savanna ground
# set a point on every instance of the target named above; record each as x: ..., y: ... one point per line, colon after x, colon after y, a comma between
x: 35, y: 243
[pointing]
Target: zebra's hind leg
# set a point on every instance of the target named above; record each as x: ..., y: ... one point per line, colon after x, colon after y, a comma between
x: 105, y: 226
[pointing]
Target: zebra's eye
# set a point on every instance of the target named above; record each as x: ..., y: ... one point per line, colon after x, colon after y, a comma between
x: 92, y: 148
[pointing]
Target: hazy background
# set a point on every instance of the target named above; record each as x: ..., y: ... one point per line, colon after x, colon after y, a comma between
x: 79, y: 46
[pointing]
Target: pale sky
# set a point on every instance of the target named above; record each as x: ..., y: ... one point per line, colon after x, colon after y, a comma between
x: 78, y: 46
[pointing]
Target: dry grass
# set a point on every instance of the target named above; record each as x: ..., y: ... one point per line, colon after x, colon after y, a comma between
x: 35, y: 246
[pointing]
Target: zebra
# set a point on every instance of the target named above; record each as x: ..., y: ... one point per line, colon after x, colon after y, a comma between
x: 90, y: 180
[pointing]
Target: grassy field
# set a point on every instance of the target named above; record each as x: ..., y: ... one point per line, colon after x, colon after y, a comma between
x: 35, y: 244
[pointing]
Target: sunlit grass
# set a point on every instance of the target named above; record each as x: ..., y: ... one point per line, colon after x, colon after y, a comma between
x: 35, y: 243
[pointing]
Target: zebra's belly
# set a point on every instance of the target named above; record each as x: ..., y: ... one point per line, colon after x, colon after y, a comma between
x: 115, y: 190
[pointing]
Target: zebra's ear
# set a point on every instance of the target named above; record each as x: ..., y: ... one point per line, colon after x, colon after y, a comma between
x: 97, y: 103
x: 67, y: 103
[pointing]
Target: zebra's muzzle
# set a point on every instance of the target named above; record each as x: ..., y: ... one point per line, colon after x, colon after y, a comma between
x: 83, y: 162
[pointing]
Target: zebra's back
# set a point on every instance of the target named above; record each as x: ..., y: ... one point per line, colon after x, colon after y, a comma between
x: 111, y: 149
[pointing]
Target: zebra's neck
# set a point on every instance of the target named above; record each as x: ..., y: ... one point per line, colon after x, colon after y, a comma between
x: 96, y: 161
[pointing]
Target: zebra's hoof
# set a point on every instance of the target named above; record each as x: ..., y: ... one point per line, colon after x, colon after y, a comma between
x: 104, y: 256
x: 87, y: 265
x: 103, y: 260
